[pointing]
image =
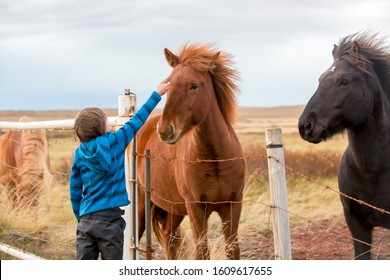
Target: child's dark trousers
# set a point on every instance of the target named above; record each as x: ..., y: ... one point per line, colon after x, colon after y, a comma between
x: 101, y: 232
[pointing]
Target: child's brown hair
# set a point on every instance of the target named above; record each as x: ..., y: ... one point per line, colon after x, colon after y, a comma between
x: 90, y: 123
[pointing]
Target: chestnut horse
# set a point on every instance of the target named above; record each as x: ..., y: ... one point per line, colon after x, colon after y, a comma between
x: 24, y: 166
x: 188, y: 144
x: 353, y: 95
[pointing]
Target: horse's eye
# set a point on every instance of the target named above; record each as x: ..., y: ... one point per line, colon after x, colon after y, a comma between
x: 344, y: 82
x: 194, y: 86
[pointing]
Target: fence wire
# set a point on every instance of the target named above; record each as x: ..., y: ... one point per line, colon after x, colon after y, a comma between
x: 197, y: 161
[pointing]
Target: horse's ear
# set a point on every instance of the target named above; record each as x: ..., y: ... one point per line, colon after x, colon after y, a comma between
x: 172, y: 59
x: 355, y: 47
x: 334, y: 52
x: 213, y: 60
x: 216, y: 56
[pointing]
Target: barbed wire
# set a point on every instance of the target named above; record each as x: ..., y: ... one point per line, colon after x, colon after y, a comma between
x: 174, y: 158
x: 198, y: 161
x: 65, y: 129
x: 383, y: 211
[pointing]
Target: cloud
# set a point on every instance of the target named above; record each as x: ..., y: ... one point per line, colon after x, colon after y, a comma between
x: 71, y: 54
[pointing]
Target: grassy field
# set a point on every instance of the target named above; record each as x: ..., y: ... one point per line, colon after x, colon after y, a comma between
x: 52, y: 234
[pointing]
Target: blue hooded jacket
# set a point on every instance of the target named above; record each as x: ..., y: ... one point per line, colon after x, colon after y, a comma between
x: 97, y: 180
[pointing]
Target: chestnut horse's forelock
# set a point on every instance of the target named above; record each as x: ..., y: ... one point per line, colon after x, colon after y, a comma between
x: 204, y: 58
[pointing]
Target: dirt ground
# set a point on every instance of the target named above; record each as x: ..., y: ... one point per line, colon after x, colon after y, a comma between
x: 323, y: 240
x: 319, y: 241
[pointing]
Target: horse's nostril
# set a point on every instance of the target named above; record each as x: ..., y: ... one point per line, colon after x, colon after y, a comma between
x: 166, y: 133
x: 307, y: 125
x: 170, y: 130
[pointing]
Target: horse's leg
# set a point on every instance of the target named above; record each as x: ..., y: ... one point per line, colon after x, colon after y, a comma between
x: 199, y: 215
x: 27, y: 192
x: 362, y: 234
x: 230, y: 216
x: 171, y: 235
x: 10, y: 186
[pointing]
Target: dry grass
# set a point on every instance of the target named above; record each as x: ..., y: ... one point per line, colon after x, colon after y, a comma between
x: 52, y: 235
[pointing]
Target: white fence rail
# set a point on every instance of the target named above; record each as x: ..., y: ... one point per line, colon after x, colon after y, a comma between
x: 17, y: 253
x: 49, y: 125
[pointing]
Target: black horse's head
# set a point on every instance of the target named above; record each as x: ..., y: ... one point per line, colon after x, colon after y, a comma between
x: 346, y: 92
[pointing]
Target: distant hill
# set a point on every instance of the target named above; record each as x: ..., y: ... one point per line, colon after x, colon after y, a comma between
x: 244, y: 112
x: 250, y: 119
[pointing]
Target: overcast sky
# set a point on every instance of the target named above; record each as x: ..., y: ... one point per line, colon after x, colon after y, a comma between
x: 71, y: 54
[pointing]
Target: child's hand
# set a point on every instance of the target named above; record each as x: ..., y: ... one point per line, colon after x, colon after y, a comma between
x: 163, y: 87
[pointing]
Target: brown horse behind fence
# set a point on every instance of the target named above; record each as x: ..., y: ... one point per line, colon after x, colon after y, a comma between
x: 24, y: 166
x: 188, y: 143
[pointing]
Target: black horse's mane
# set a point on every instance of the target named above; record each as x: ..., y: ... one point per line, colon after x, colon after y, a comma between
x: 362, y: 48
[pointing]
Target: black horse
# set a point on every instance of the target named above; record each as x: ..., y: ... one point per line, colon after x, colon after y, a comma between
x: 354, y: 95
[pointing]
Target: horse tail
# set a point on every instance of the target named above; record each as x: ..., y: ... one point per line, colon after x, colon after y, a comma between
x: 159, y: 217
x: 166, y: 228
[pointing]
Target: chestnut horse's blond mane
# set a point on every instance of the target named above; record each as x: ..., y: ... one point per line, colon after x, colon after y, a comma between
x: 205, y: 58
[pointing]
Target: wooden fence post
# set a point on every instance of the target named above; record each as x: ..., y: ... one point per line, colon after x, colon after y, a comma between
x: 278, y: 193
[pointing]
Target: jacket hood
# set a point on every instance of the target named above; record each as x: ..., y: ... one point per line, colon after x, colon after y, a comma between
x: 96, y: 154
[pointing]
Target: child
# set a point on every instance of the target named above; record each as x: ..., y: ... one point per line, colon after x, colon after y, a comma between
x: 97, y: 181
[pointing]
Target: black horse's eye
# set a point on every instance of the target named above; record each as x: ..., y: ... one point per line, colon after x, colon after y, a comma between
x: 194, y: 86
x: 344, y: 82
